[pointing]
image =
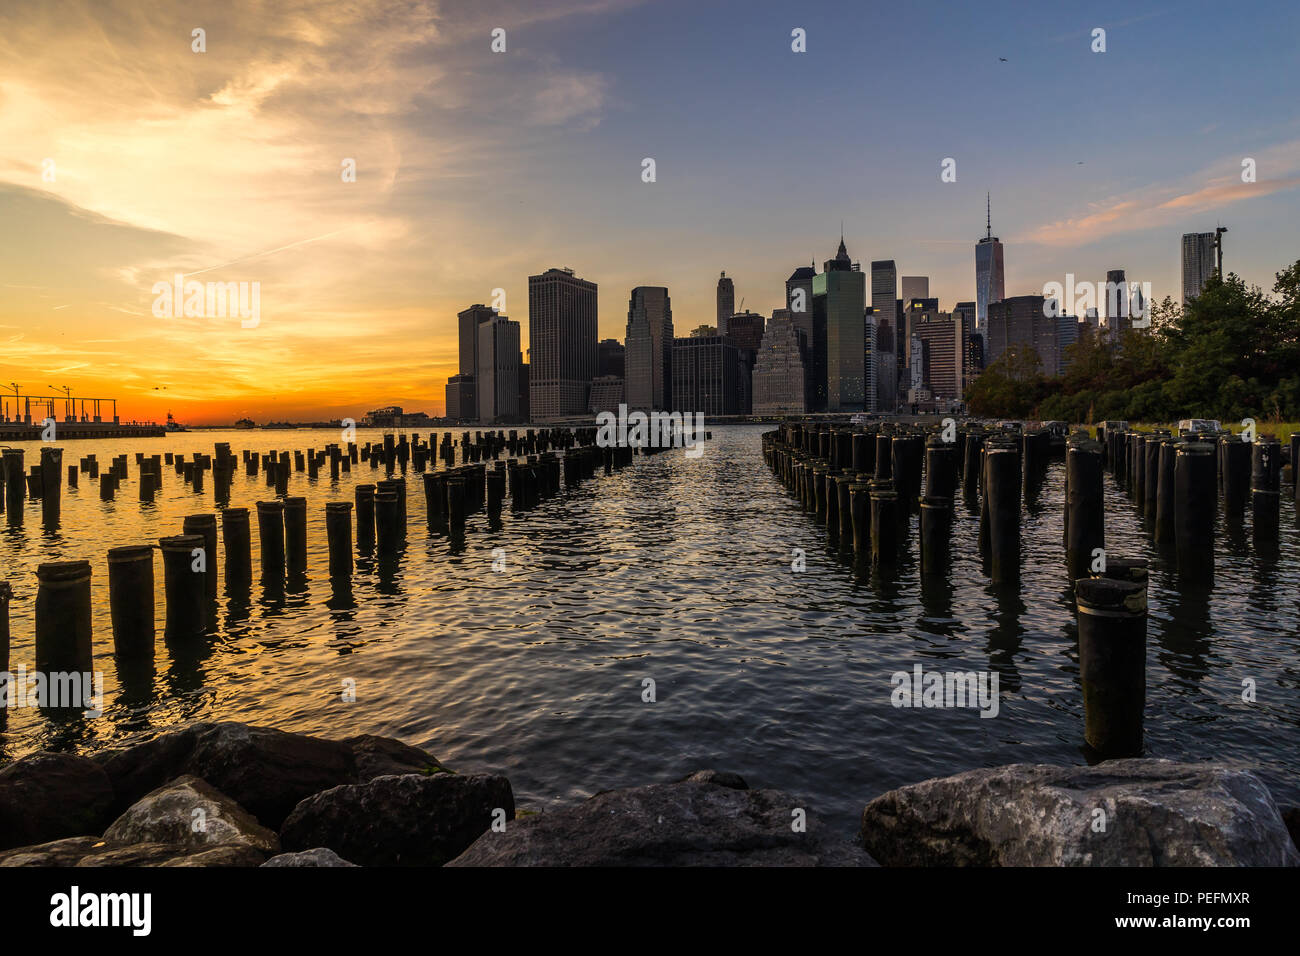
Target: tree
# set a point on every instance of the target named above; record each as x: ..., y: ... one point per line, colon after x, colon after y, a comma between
x: 1232, y: 352
x: 1010, y: 387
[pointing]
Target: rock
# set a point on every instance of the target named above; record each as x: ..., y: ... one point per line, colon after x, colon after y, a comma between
x: 145, y: 767
x: 230, y: 855
x: 1157, y: 813
x: 65, y: 852
x: 173, y: 854
x: 721, y: 778
x: 265, y: 771
x: 406, y: 820
x: 48, y: 796
x: 191, y: 813
x: 318, y: 856
x: 688, y: 823
x: 382, y: 756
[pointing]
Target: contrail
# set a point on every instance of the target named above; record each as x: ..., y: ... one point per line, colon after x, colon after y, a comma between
x: 268, y: 252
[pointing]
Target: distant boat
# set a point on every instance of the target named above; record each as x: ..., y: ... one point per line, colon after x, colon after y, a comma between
x: 245, y: 423
x: 173, y: 425
x: 862, y: 418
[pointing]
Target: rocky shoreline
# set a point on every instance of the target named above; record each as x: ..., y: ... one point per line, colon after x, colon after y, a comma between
x: 229, y: 794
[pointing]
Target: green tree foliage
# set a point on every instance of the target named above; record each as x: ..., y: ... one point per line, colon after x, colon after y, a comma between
x: 1010, y: 387
x: 1232, y: 352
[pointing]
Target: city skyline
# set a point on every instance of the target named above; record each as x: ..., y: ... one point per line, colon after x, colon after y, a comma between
x: 225, y: 166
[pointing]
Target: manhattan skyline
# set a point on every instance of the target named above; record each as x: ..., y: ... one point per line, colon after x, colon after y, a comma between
x: 476, y: 170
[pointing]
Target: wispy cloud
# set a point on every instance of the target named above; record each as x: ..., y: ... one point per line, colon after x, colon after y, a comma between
x: 1159, y: 204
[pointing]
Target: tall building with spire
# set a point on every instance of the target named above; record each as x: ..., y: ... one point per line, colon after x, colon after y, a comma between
x: 839, y: 295
x: 648, y: 356
x: 990, y: 277
x: 726, y: 302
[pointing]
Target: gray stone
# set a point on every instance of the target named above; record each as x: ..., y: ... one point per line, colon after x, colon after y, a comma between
x: 384, y: 756
x: 1157, y: 813
x: 319, y: 856
x: 402, y: 820
x: 191, y: 813
x: 265, y: 771
x: 65, y: 852
x: 688, y: 823
x: 49, y: 796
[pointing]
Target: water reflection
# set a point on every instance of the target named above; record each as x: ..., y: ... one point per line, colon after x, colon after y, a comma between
x: 675, y: 568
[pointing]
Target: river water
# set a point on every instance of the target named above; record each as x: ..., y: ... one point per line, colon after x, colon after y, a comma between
x: 525, y: 648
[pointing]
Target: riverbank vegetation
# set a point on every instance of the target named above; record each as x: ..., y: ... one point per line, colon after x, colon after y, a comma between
x: 1233, y: 352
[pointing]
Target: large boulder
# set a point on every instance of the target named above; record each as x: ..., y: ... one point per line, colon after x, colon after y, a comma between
x: 265, y: 771
x: 1135, y: 812
x: 708, y: 819
x: 48, y: 796
x: 402, y: 820
x: 231, y: 854
x: 65, y: 852
x: 174, y: 854
x: 319, y: 856
x: 384, y: 756
x: 189, y: 812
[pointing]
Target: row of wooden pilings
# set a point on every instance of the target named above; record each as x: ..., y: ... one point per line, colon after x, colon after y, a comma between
x: 864, y: 482
x: 1178, y: 484
x: 63, y: 638
x: 394, y: 453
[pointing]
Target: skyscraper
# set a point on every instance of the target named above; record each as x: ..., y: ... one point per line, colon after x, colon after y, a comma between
x: 468, y: 328
x: 705, y: 376
x: 1198, y: 262
x: 463, y: 398
x: 1116, y: 302
x: 561, y: 344
x: 884, y: 307
x: 610, y: 358
x: 461, y: 404
x: 726, y: 302
x: 498, y: 370
x: 812, y: 338
x: 990, y: 279
x: 779, y: 370
x: 840, y: 294
x: 745, y: 330
x: 914, y: 287
x: 1020, y: 321
x: 648, y: 360
x: 870, y: 363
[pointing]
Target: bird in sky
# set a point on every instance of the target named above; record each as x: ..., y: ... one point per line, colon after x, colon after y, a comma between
x: 1003, y: 59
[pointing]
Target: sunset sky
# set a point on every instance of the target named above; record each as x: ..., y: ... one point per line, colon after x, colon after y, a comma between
x: 476, y: 169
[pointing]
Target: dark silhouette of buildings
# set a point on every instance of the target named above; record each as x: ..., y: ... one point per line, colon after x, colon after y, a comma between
x: 610, y: 358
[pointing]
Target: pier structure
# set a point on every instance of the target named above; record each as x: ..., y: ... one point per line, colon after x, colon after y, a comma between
x: 862, y: 483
